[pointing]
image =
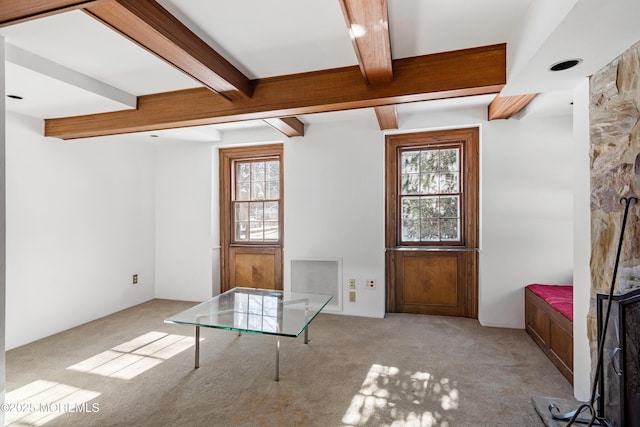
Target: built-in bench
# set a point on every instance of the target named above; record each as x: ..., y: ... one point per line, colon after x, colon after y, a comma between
x: 549, y: 321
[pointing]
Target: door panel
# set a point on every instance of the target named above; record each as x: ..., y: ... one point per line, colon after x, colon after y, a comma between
x: 255, y: 267
x: 430, y: 279
x: 431, y: 283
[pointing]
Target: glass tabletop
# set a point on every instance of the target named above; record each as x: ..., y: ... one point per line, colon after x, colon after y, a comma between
x: 262, y: 311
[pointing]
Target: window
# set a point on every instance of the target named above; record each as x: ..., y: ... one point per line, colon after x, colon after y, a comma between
x: 256, y: 200
x: 430, y: 194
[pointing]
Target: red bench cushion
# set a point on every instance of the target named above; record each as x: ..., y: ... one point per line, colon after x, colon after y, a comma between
x: 560, y: 297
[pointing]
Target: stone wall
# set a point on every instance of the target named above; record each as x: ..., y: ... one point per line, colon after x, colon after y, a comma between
x: 615, y: 173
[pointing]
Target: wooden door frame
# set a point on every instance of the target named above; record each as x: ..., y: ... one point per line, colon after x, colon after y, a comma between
x: 227, y: 156
x: 470, y: 138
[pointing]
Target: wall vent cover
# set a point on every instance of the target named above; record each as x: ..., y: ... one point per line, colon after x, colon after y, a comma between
x: 322, y: 276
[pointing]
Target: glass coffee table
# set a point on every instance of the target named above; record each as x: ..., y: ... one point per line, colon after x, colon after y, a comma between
x: 258, y: 311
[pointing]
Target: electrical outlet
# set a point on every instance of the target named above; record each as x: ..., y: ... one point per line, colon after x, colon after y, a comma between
x: 371, y: 284
x: 352, y: 283
x: 135, y: 279
x: 352, y: 296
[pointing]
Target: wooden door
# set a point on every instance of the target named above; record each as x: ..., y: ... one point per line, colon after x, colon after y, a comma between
x: 432, y: 222
x: 251, y: 217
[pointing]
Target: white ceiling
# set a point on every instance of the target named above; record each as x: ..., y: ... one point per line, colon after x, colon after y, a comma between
x: 278, y: 37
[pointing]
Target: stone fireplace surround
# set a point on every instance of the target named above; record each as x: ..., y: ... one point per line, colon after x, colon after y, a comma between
x: 614, y: 106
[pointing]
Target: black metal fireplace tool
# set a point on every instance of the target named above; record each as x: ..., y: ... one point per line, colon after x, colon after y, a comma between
x: 573, y: 416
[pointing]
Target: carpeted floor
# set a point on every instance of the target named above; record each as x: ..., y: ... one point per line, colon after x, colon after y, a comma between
x: 132, y: 369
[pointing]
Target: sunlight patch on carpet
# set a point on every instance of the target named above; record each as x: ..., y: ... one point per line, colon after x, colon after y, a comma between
x: 130, y: 359
x: 41, y: 401
x: 394, y: 397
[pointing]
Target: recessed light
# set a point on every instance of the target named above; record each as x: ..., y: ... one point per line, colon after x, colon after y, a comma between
x: 153, y: 136
x: 14, y: 96
x: 565, y: 65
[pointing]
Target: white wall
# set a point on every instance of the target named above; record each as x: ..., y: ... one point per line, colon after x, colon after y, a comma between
x: 2, y: 229
x: 526, y: 205
x: 527, y: 213
x: 334, y: 204
x: 581, y: 243
x: 83, y: 216
x: 80, y: 223
x: 184, y: 257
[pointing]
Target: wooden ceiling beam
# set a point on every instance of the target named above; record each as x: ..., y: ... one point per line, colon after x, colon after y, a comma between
x: 465, y: 72
x: 14, y: 12
x: 387, y: 117
x: 289, y: 126
x: 504, y: 107
x: 148, y: 24
x: 368, y: 26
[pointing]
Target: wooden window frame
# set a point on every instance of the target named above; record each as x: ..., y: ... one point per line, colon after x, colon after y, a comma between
x: 226, y: 158
x: 468, y: 139
x: 233, y: 200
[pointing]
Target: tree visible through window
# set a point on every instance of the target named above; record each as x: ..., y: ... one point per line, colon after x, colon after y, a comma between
x: 430, y: 194
x: 256, y: 200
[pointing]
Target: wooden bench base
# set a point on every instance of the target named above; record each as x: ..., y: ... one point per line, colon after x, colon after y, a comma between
x: 551, y: 331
